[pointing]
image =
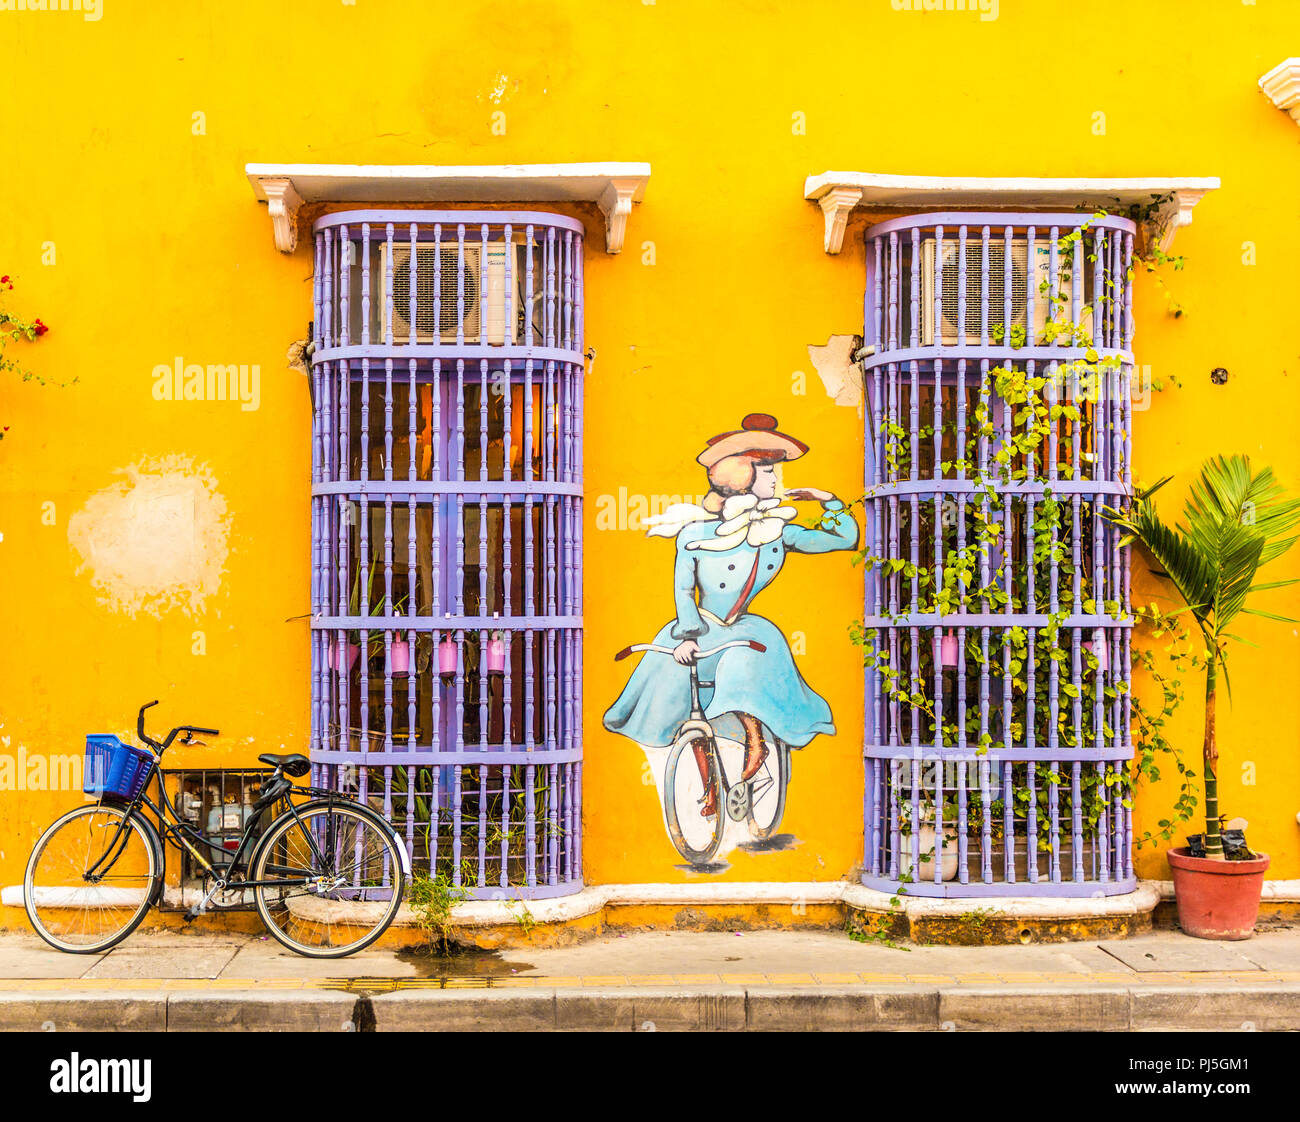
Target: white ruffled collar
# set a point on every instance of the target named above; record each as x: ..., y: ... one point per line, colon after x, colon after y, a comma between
x: 744, y: 518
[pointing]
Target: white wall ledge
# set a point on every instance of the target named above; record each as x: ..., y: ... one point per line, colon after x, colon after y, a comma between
x: 839, y: 192
x: 483, y: 913
x: 613, y: 187
x: 1282, y: 85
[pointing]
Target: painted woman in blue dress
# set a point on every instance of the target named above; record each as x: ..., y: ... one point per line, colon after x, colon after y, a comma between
x: 730, y: 548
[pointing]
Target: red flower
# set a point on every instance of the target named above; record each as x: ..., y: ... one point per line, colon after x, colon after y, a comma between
x: 41, y: 329
x: 4, y: 280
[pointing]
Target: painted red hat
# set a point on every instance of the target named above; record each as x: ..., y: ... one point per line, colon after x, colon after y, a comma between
x: 757, y: 437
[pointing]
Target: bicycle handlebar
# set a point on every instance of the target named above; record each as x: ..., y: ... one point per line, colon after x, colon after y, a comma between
x: 139, y: 721
x: 189, y: 729
x: 752, y: 644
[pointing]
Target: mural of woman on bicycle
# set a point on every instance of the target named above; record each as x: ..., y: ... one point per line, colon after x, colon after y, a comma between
x: 718, y: 674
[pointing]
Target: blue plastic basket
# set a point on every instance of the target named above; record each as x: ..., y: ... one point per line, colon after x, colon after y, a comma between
x: 114, y: 769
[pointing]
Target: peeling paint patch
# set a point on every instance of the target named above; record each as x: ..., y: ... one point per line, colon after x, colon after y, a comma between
x: 502, y: 86
x: 157, y: 541
x: 837, y: 370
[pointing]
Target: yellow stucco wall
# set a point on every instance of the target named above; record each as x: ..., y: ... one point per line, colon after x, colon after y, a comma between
x: 130, y: 526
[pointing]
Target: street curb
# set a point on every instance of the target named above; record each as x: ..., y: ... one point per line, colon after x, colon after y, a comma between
x: 306, y: 1011
x: 697, y: 1009
x: 70, y: 1011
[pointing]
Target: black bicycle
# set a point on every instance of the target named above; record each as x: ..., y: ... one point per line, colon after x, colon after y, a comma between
x: 327, y: 874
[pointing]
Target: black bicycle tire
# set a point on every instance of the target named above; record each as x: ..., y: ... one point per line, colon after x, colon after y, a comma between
x: 290, y: 818
x: 152, y: 841
x: 694, y: 856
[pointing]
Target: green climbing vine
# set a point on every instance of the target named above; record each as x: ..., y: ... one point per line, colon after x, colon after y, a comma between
x: 1007, y: 544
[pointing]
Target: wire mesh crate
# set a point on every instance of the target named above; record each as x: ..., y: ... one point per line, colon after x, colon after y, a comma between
x: 218, y: 803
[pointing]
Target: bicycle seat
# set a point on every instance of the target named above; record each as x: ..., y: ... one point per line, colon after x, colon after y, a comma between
x: 292, y: 763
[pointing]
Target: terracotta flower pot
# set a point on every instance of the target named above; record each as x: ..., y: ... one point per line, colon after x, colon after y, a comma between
x: 1217, y: 899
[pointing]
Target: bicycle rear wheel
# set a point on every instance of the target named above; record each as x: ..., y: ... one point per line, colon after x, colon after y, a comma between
x: 344, y: 879
x: 91, y: 878
x: 767, y: 790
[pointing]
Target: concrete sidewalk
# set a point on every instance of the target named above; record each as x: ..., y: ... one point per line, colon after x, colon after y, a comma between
x: 171, y: 980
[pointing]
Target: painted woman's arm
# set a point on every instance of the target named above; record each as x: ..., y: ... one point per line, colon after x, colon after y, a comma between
x: 838, y: 530
x: 689, y: 624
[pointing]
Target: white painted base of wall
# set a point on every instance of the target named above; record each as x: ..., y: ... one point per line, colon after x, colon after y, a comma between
x: 593, y: 899
x: 489, y: 913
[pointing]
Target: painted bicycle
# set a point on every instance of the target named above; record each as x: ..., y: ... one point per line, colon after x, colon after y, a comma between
x: 327, y: 873
x: 699, y: 796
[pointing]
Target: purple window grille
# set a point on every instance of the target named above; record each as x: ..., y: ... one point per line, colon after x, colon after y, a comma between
x: 447, y: 537
x: 984, y: 777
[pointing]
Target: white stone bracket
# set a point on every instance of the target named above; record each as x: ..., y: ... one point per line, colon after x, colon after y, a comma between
x: 282, y: 202
x: 836, y: 204
x: 1172, y: 216
x: 615, y: 204
x: 1282, y: 85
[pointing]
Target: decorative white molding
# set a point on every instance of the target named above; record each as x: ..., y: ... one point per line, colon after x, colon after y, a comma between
x: 615, y: 204
x: 1142, y: 899
x: 1166, y: 222
x: 282, y: 203
x: 836, y: 204
x: 1282, y: 85
x: 839, y: 192
x: 590, y: 900
x: 594, y: 899
x: 613, y: 187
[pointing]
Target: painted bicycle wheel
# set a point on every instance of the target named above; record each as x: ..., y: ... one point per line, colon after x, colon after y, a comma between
x: 767, y: 789
x: 696, y: 837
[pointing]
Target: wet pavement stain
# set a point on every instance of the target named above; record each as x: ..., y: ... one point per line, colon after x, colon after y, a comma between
x: 459, y: 968
x: 461, y: 962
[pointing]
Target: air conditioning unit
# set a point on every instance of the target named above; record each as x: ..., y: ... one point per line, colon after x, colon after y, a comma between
x: 482, y: 292
x: 998, y: 264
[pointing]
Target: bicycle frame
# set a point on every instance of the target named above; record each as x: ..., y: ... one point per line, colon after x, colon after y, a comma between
x: 171, y: 827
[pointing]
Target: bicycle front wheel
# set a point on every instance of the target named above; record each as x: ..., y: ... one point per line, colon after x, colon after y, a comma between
x: 696, y: 837
x: 91, y: 878
x: 342, y: 879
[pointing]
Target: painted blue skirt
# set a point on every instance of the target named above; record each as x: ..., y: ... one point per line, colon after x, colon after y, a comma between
x: 767, y: 685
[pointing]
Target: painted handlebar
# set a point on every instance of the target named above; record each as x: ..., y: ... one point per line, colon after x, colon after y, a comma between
x: 752, y: 644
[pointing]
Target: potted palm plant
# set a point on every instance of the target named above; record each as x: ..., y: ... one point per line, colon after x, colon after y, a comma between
x: 1234, y: 521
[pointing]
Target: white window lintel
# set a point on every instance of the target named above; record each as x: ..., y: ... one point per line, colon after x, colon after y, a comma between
x: 1165, y: 203
x: 613, y: 187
